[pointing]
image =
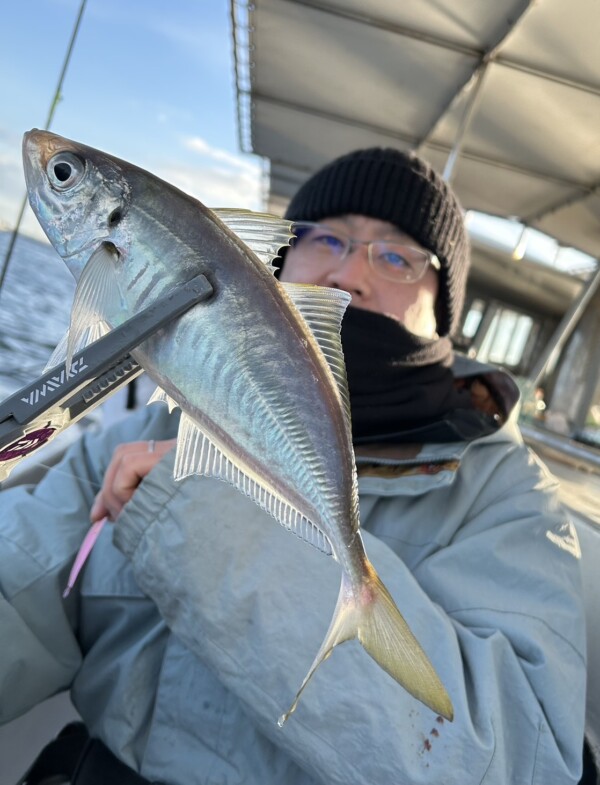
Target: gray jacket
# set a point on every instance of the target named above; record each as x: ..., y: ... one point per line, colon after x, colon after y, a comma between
x: 197, y: 617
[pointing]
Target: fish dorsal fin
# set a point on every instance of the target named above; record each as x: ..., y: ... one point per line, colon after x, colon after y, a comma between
x: 198, y: 454
x: 97, y: 293
x: 263, y: 233
x: 160, y: 396
x: 323, y: 309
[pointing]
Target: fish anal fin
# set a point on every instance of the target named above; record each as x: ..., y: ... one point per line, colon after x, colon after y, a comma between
x: 198, y: 454
x: 374, y: 619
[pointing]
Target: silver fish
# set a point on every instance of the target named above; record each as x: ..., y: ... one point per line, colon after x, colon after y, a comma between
x: 257, y: 369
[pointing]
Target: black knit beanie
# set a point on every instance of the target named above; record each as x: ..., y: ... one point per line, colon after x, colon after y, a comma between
x: 403, y: 189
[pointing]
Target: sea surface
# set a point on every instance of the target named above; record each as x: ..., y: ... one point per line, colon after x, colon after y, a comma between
x: 35, y: 306
x: 35, y: 302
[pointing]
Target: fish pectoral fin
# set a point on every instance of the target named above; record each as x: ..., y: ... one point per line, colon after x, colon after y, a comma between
x: 323, y: 308
x: 198, y: 454
x: 263, y: 233
x: 160, y: 396
x: 61, y: 352
x: 384, y: 634
x: 96, y: 295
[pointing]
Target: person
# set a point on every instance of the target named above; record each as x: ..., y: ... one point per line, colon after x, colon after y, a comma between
x: 196, y: 616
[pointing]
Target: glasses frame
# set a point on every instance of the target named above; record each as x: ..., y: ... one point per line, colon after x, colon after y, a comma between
x: 431, y: 259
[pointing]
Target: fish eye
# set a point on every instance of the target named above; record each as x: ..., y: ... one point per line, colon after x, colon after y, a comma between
x: 65, y: 170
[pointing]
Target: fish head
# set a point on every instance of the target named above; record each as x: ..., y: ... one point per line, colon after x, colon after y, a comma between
x: 78, y: 195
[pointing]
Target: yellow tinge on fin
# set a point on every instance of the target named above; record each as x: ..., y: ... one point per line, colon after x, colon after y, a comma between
x: 376, y: 622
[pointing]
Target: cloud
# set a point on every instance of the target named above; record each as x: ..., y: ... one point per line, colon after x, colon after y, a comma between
x: 216, y: 187
x: 220, y: 178
x: 199, y: 145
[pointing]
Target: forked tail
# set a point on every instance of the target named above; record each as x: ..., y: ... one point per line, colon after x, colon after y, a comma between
x: 373, y: 618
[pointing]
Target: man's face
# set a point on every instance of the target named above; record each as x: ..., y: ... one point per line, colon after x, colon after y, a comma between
x: 410, y: 303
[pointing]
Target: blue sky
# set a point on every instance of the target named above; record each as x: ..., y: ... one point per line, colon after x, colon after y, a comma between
x: 150, y: 81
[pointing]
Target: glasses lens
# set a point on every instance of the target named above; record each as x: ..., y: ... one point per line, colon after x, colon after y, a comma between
x: 398, y: 262
x: 299, y: 230
x: 319, y: 240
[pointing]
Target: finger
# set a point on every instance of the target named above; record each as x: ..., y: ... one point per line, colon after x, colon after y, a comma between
x: 120, y: 453
x: 129, y: 465
x: 128, y: 476
x: 105, y: 502
x: 129, y: 473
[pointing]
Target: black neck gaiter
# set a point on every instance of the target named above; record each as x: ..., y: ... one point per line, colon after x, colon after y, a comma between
x: 401, y: 386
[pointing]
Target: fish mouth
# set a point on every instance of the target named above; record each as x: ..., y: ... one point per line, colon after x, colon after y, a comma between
x: 38, y: 147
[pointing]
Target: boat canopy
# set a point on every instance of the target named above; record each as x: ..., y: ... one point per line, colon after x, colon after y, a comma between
x: 503, y: 98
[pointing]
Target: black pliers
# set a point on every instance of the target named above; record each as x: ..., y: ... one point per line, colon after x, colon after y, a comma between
x: 36, y: 413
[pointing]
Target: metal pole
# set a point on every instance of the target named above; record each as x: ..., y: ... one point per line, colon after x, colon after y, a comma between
x: 472, y: 103
x: 563, y: 332
x: 49, y: 119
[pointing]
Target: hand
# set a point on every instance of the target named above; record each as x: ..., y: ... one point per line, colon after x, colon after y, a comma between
x: 129, y: 464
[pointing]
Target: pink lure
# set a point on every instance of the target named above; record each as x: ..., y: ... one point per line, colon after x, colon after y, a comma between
x: 83, y: 552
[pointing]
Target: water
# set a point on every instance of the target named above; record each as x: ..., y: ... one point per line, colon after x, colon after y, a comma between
x: 35, y: 306
x: 35, y: 302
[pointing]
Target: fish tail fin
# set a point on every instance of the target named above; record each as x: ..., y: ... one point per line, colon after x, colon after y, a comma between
x: 388, y: 639
x: 374, y: 619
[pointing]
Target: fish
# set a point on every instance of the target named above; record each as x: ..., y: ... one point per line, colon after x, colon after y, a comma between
x: 257, y: 369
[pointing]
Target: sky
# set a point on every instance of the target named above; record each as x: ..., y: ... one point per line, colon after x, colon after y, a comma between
x: 150, y: 81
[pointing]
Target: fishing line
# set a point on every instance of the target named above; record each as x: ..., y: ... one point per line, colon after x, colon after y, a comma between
x: 54, y: 104
x: 55, y: 470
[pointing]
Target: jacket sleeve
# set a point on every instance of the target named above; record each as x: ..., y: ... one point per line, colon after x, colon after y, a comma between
x: 498, y: 609
x: 41, y: 529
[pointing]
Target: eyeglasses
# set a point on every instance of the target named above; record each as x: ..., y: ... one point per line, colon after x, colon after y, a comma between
x: 393, y: 261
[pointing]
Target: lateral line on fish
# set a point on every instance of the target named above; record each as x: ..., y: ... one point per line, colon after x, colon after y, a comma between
x: 197, y: 453
x: 294, y: 447
x: 267, y: 405
x: 322, y: 311
x: 306, y: 294
x: 287, y: 515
